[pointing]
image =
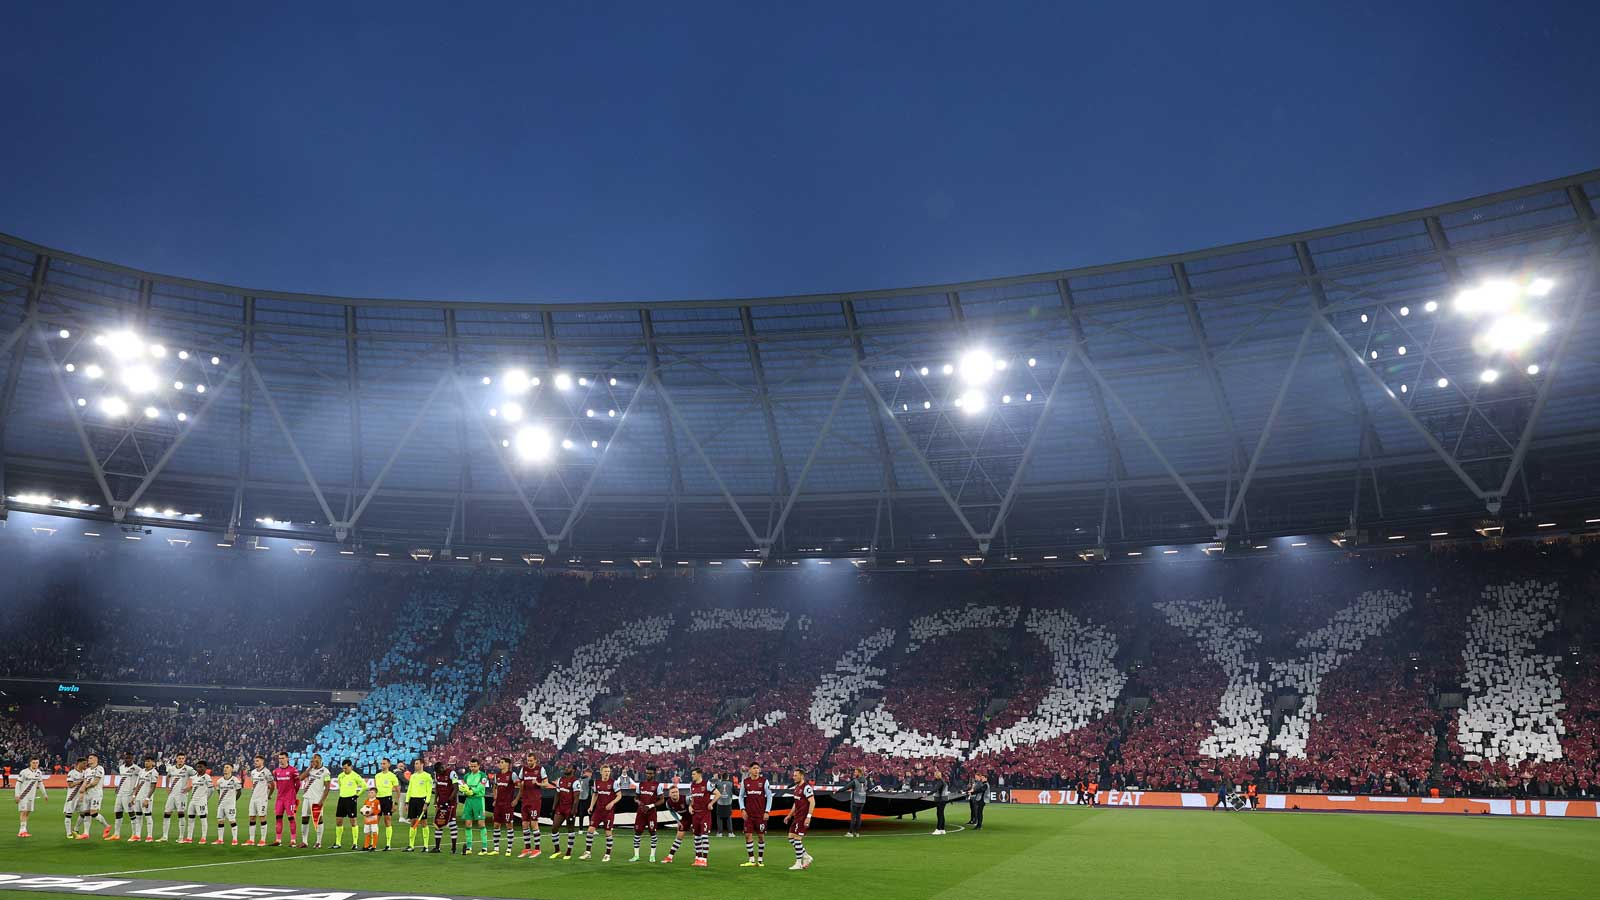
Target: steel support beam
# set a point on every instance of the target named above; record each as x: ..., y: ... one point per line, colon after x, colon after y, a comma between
x: 890, y: 483
x: 1010, y: 497
x: 794, y: 493
x: 294, y: 448
x: 780, y: 471
x: 1272, y: 418
x: 581, y: 504
x: 183, y: 435
x: 342, y: 529
x: 677, y: 417
x: 353, y: 374
x: 881, y: 408
x: 464, y: 477
x: 41, y: 267
x: 246, y: 404
x: 1208, y: 365
x: 83, y: 436
x: 668, y: 435
x: 1115, y: 466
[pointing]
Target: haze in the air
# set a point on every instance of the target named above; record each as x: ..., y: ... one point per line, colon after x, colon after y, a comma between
x: 587, y: 151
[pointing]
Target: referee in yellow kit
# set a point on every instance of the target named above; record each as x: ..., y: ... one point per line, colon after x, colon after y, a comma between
x: 351, y: 786
x: 387, y: 784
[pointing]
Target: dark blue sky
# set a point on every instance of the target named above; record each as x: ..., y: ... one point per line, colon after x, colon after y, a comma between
x: 537, y: 151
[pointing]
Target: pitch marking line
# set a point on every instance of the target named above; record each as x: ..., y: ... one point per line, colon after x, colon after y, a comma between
x: 231, y: 862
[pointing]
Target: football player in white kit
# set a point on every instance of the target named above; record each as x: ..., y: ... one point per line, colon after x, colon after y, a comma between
x: 94, y: 789
x: 127, y: 783
x: 260, y: 800
x: 29, y: 791
x: 180, y: 778
x: 313, y: 790
x: 144, y: 799
x: 74, y: 792
x: 228, y: 787
x: 192, y: 828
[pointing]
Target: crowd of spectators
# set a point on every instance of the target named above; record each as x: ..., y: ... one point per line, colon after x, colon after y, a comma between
x: 20, y: 740
x: 216, y: 734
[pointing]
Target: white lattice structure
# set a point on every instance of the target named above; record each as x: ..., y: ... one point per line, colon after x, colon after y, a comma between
x: 1084, y: 682
x: 554, y: 709
x: 1326, y: 649
x: 851, y: 675
x: 1514, y: 704
x: 1239, y: 728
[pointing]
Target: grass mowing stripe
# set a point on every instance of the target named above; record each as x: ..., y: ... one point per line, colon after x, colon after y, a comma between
x: 231, y: 862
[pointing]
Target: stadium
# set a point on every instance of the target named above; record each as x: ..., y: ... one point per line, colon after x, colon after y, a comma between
x: 1254, y: 569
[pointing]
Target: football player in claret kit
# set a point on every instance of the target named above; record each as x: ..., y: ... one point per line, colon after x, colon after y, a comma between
x: 504, y: 782
x: 260, y: 798
x: 444, y: 806
x: 28, y: 792
x: 94, y: 789
x: 314, y: 783
x: 566, y: 799
x: 701, y: 798
x: 229, y: 786
x: 192, y: 828
x: 799, y: 818
x: 286, y: 782
x: 677, y: 804
x: 127, y: 783
x: 74, y: 791
x: 602, y: 813
x: 647, y: 796
x: 755, y: 799
x: 530, y: 797
x: 180, y: 779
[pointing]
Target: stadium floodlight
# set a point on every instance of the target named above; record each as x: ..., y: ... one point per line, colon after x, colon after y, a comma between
x: 897, y: 373
x: 1430, y: 306
x: 583, y: 382
x: 216, y: 360
x: 566, y: 443
x: 199, y: 389
x: 977, y: 366
x: 494, y: 412
x: 177, y: 385
x: 973, y: 402
x: 83, y: 401
x: 92, y: 371
x: 1401, y: 349
x: 150, y: 412
x: 1374, y: 354
x: 611, y: 413
x: 1512, y: 332
x: 1533, y: 369
x: 115, y: 407
x: 485, y: 381
x: 563, y: 381
x: 1028, y: 397
x: 594, y: 445
x: 1539, y: 287
x: 183, y: 354
x: 1489, y: 376
x: 63, y: 334
x: 1405, y: 310
x: 1443, y: 382
x: 1005, y: 398
x: 533, y: 443
x: 124, y: 344
x: 183, y: 417
x: 1364, y: 318
x: 927, y: 404
x: 589, y: 413
x: 70, y: 368
x: 515, y: 381
x: 512, y: 411
x: 923, y: 371
x: 157, y: 350
x: 139, y: 379
x: 1493, y: 296
x: 947, y: 369
x: 1032, y: 362
x: 612, y: 382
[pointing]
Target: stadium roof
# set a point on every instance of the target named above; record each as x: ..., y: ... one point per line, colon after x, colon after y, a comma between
x: 1138, y: 401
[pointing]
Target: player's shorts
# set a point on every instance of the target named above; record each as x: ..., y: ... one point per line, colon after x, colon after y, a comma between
x: 797, y: 826
x: 260, y: 806
x: 415, y: 807
x: 227, y: 812
x: 472, y: 809
x: 314, y: 810
x: 90, y: 805
x: 176, y: 803
x: 197, y: 809
x: 124, y: 805
x: 755, y: 822
x: 385, y: 806
x: 444, y: 815
x: 346, y: 809
x: 28, y: 804
x: 644, y: 820
x: 561, y: 814
x: 700, y: 824
x: 530, y: 812
x: 502, y: 815
x: 603, y: 818
x: 284, y: 805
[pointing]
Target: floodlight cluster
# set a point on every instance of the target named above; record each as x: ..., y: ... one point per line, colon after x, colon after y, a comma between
x: 530, y: 437
x: 167, y: 512
x: 47, y: 500
x: 977, y: 370
x: 126, y: 375
x: 1512, y: 322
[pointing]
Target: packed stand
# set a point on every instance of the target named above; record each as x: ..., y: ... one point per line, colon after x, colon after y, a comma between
x: 215, y: 734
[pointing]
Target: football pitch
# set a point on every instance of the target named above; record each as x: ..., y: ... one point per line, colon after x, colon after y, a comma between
x: 1021, y: 852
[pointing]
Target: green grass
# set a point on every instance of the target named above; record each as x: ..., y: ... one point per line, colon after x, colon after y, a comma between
x: 1022, y: 852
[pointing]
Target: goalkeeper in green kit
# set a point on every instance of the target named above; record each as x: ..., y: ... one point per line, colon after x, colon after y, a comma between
x: 474, y: 785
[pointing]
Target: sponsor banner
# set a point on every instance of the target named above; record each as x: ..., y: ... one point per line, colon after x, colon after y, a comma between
x: 144, y: 887
x: 1551, y: 808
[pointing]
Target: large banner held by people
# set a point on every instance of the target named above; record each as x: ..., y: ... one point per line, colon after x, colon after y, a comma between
x: 1500, y: 806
